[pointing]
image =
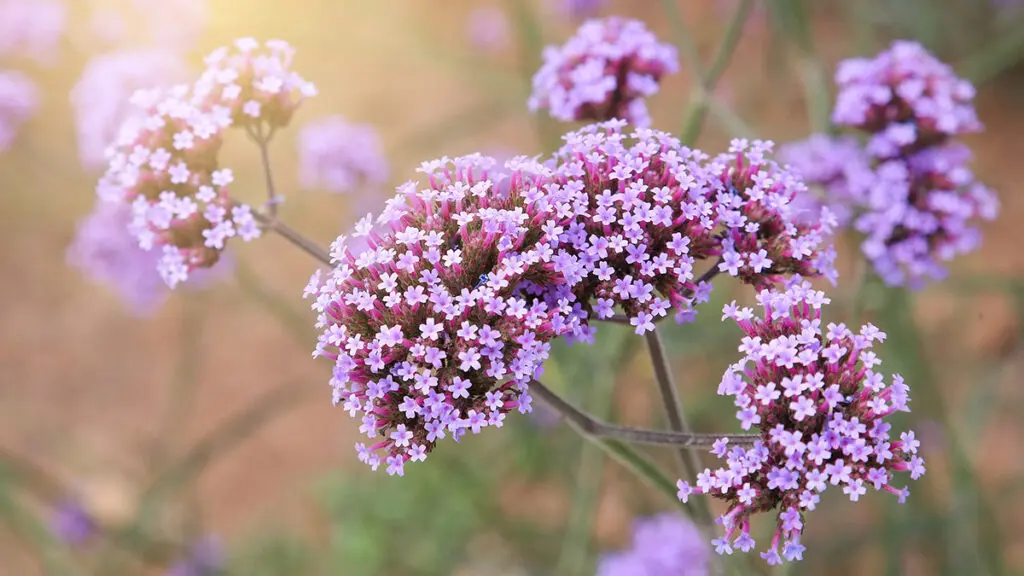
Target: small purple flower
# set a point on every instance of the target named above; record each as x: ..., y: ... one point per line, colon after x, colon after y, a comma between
x: 32, y: 29
x: 338, y: 156
x: 204, y: 558
x: 100, y: 98
x: 808, y: 440
x: 487, y: 28
x: 19, y: 99
x: 662, y: 544
x: 603, y: 72
x: 71, y: 524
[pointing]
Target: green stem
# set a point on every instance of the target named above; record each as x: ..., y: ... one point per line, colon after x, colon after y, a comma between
x: 795, y: 22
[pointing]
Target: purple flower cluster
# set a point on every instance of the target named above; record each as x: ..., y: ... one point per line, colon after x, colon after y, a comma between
x: 100, y: 98
x: 438, y: 326
x: 640, y: 212
x: 662, y: 544
x: 31, y: 28
x: 821, y: 408
x: 837, y: 171
x: 19, y: 99
x: 339, y: 156
x: 918, y: 212
x: 603, y: 72
x: 165, y: 163
x: 579, y: 8
x: 475, y: 273
x: 107, y: 253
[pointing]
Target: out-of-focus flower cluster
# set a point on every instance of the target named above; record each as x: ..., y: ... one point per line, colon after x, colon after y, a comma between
x: 579, y: 8
x: 488, y: 28
x: 603, y: 72
x: 19, y: 99
x: 204, y: 557
x: 164, y: 163
x: 837, y: 171
x: 918, y: 201
x: 474, y: 274
x: 101, y: 97
x: 821, y: 407
x: 339, y: 156
x: 32, y: 29
x: 662, y: 544
x: 438, y: 326
x: 170, y: 25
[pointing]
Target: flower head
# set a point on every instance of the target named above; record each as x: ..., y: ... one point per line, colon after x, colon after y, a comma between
x: 662, y: 544
x: 32, y: 29
x: 837, y: 171
x: 605, y: 71
x: 100, y: 98
x: 814, y: 394
x: 340, y: 157
x: 19, y: 99
x: 579, y: 8
x: 439, y: 324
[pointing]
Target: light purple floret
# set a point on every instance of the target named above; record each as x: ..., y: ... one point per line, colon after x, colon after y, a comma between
x: 19, y: 99
x: 603, y: 72
x: 101, y: 97
x: 339, y: 156
x: 662, y: 544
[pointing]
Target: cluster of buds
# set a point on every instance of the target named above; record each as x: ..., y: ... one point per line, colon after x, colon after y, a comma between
x: 641, y: 212
x: 164, y: 164
x: 821, y: 408
x: 439, y: 324
x: 917, y: 212
x: 603, y: 72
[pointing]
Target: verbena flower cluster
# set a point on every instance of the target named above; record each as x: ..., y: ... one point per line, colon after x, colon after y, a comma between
x: 101, y: 97
x: 32, y: 29
x: 837, y: 171
x: 107, y: 253
x: 165, y: 164
x: 662, y: 544
x: 339, y: 156
x: 603, y: 72
x: 919, y: 210
x: 19, y: 99
x: 439, y: 324
x: 821, y: 407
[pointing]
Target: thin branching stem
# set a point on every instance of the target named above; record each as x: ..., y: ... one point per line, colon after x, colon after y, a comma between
x: 590, y: 426
x: 293, y: 236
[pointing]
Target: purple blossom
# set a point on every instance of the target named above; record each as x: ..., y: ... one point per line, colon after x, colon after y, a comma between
x: 662, y: 544
x: 107, y: 253
x: 32, y: 29
x: 845, y: 443
x: 494, y: 303
x: 577, y: 9
x: 488, y: 28
x: 920, y: 208
x: 836, y: 170
x: 338, y: 156
x: 71, y: 524
x: 19, y: 99
x: 204, y: 558
x: 101, y: 97
x: 164, y: 164
x: 605, y: 71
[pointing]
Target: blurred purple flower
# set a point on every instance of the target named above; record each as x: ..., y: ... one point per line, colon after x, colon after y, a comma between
x: 545, y: 417
x: 205, y: 558
x: 19, y: 98
x: 107, y: 253
x: 160, y: 24
x: 71, y: 524
x: 31, y: 29
x: 837, y: 170
x: 101, y: 97
x: 579, y: 9
x: 663, y: 544
x: 340, y: 156
x: 488, y: 28
x: 603, y: 72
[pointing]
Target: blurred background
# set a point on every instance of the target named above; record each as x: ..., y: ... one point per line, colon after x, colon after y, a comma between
x: 200, y: 420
